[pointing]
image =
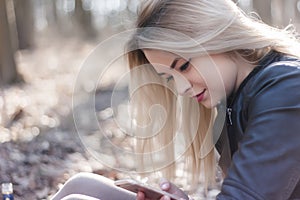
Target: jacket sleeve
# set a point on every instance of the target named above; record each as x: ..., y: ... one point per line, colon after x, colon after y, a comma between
x: 267, y: 162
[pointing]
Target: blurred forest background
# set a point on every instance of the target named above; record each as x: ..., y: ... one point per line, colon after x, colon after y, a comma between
x: 42, y: 46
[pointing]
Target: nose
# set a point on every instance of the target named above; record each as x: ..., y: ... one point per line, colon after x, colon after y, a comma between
x: 183, y: 85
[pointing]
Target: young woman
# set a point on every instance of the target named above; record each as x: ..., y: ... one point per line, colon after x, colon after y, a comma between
x: 240, y: 85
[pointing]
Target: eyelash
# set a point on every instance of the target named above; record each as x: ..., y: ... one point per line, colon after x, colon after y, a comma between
x: 182, y: 68
x: 185, y: 66
x: 169, y: 78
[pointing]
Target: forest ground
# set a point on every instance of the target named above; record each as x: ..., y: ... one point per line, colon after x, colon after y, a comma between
x: 39, y: 145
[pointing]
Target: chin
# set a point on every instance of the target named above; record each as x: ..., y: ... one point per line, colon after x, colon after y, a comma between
x: 209, y: 104
x: 206, y: 104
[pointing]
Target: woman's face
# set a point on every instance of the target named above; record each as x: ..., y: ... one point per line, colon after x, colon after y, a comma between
x: 208, y: 79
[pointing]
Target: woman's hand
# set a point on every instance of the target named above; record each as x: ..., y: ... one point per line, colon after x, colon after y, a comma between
x: 169, y: 187
x: 166, y: 186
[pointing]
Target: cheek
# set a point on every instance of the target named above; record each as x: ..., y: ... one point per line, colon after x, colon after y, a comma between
x: 217, y: 85
x: 212, y: 79
x: 215, y: 78
x: 199, y: 76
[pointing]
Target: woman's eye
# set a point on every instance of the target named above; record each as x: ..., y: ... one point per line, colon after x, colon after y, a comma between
x: 185, y: 66
x: 164, y: 75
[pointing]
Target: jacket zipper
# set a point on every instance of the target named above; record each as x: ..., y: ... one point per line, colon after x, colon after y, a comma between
x: 229, y: 111
x: 270, y: 57
x: 229, y: 106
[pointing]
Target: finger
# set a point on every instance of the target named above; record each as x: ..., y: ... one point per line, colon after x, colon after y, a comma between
x: 165, y: 198
x: 140, y: 196
x: 165, y: 184
x: 169, y: 187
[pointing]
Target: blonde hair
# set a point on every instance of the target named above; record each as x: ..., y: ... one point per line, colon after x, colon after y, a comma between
x: 193, y: 27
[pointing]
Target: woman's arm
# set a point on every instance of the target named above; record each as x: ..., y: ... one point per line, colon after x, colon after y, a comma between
x: 267, y: 163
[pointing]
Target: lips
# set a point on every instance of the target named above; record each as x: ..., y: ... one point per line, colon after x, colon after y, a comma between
x: 200, y: 96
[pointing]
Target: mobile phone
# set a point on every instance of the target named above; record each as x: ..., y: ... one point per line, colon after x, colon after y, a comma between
x: 150, y: 192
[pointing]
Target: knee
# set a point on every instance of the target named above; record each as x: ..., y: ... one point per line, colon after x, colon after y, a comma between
x: 81, y: 176
x: 78, y: 197
x: 79, y: 179
x: 87, y: 181
x: 80, y: 183
x: 85, y: 177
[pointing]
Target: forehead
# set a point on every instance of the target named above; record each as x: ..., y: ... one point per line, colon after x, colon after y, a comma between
x: 160, y: 56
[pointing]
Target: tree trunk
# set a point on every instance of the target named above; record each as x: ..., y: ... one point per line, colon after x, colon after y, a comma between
x: 291, y: 12
x: 8, y: 71
x: 11, y: 18
x: 263, y: 8
x: 84, y: 20
x: 25, y: 23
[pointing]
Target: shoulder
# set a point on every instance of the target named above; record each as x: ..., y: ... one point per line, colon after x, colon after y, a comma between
x: 276, y: 85
x: 282, y: 73
x: 281, y: 68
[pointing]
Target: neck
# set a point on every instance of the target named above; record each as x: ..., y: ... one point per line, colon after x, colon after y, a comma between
x: 244, y: 68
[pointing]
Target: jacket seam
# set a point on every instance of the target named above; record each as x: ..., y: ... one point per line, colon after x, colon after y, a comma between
x: 244, y: 189
x: 288, y: 190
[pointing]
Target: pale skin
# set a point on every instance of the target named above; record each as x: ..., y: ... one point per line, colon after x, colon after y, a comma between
x: 216, y: 76
x: 168, y: 187
x: 208, y: 78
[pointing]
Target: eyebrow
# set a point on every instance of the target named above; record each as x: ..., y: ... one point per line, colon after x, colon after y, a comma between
x: 161, y: 74
x: 174, y: 63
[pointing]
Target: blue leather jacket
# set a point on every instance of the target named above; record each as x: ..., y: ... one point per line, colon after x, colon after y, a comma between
x: 263, y: 133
